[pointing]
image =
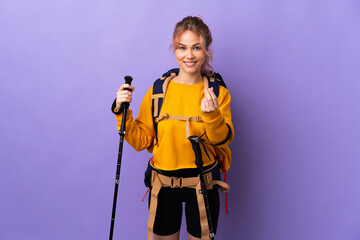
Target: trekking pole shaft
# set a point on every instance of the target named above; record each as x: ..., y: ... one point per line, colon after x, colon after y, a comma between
x: 207, y: 206
x: 199, y: 164
x: 125, y: 106
x: 121, y: 143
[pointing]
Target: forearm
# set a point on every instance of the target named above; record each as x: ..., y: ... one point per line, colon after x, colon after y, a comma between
x: 138, y: 135
x: 218, y: 131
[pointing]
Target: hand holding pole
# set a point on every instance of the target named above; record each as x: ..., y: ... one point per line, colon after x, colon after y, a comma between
x: 125, y: 106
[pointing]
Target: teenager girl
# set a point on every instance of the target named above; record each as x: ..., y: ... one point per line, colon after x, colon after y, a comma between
x: 202, y: 113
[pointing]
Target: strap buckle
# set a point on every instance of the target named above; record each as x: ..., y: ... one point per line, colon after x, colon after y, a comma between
x: 176, y: 182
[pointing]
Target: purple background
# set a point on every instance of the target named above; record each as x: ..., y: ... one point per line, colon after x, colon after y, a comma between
x: 292, y: 68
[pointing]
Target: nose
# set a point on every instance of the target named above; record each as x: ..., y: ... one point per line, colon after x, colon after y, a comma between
x: 190, y: 53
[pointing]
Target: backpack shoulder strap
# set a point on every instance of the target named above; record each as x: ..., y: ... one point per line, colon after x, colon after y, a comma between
x: 158, y: 95
x: 215, y: 81
x: 157, y: 101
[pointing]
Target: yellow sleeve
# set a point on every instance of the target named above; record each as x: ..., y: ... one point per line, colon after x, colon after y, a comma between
x: 218, y: 124
x: 139, y: 133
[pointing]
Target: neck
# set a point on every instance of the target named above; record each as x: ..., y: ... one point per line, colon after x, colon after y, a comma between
x: 188, y: 78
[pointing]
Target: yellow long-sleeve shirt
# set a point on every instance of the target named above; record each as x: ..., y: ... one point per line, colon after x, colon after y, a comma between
x: 173, y: 150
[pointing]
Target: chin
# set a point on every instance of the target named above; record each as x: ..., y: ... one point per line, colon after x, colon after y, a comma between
x: 191, y: 70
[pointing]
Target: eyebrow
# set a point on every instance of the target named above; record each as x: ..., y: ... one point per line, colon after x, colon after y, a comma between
x: 192, y: 45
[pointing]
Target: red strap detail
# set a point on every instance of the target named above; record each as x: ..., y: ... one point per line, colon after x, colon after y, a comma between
x: 226, y: 205
x: 216, y: 151
x: 145, y: 195
x: 152, y: 161
x: 226, y: 198
x: 222, y: 165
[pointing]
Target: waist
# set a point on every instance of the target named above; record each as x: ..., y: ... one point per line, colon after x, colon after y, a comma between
x: 187, y: 172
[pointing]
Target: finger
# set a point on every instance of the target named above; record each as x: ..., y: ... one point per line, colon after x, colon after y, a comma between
x: 206, y: 105
x: 130, y: 88
x: 214, y: 98
x: 202, y: 108
x: 212, y: 94
x: 123, y: 93
x: 127, y: 95
x: 121, y: 97
x: 210, y: 102
x: 207, y: 95
x: 125, y: 85
x: 203, y: 105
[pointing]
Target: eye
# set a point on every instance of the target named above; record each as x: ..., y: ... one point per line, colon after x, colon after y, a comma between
x: 182, y: 48
x: 197, y: 48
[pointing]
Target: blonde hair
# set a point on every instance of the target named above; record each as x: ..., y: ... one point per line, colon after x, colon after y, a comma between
x: 196, y: 25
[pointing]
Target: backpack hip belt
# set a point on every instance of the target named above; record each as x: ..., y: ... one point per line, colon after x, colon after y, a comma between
x: 158, y: 181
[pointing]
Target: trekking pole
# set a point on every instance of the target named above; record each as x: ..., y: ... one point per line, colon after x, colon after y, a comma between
x: 124, y: 107
x: 199, y: 164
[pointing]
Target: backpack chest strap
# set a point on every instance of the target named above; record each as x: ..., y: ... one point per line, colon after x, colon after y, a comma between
x: 187, y: 120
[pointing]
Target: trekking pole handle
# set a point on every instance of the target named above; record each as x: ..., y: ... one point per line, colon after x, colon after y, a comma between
x: 128, y: 80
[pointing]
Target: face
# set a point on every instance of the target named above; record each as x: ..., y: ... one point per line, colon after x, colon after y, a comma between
x: 189, y: 52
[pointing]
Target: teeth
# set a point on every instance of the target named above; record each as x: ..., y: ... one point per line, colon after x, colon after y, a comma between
x: 190, y: 64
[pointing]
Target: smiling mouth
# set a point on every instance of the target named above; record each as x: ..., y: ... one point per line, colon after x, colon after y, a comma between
x: 190, y: 64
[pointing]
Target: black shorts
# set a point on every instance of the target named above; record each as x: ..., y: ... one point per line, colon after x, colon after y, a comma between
x: 170, y: 207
